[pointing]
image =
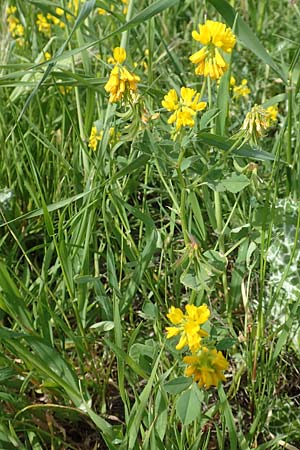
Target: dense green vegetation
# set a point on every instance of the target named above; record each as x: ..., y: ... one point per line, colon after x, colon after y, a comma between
x: 110, y: 216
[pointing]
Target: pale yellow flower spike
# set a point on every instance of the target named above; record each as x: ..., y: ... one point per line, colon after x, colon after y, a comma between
x: 257, y: 121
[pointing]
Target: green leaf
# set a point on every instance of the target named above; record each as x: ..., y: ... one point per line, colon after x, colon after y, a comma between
x: 188, y: 405
x: 190, y: 281
x: 229, y: 420
x: 226, y: 343
x: 207, y: 117
x: 216, y: 260
x: 46, y: 361
x: 178, y: 385
x: 140, y: 407
x: 225, y: 143
x: 245, y: 35
x: 131, y: 167
x: 103, y: 326
x: 11, y: 301
x: 236, y: 183
x: 197, y: 213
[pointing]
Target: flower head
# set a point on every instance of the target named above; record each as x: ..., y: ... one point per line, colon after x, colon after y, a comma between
x: 125, y: 7
x: 15, y: 27
x: 214, y: 36
x: 184, y: 108
x: 241, y: 90
x: 43, y: 25
x: 101, y: 11
x: 188, y: 325
x: 119, y: 55
x: 273, y: 112
x: 206, y: 367
x: 121, y: 80
x: 10, y: 10
x: 96, y: 136
x: 257, y: 121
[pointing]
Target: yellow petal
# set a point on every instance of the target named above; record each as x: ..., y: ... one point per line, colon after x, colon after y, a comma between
x: 119, y: 54
x: 175, y: 315
x: 199, y: 56
x: 172, y: 331
x: 182, y: 342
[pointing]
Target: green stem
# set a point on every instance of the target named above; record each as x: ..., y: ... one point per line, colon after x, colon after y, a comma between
x: 219, y: 220
x: 289, y: 135
x: 218, y: 216
x: 124, y: 37
x: 182, y: 198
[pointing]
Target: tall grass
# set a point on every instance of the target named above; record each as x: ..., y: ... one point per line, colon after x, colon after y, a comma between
x: 95, y: 246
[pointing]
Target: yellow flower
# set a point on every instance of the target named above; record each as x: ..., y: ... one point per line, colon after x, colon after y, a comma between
x: 14, y: 26
x: 241, y: 90
x: 10, y: 10
x: 47, y: 56
x: 12, y: 23
x: 55, y: 19
x: 19, y: 30
x: 206, y: 367
x: 184, y: 108
x: 214, y: 36
x: 257, y: 121
x: 73, y: 5
x: 64, y: 90
x: 188, y: 325
x: 97, y: 136
x: 43, y: 25
x: 120, y: 81
x: 125, y: 8
x: 273, y: 112
x: 119, y: 55
x: 59, y: 11
x: 101, y: 11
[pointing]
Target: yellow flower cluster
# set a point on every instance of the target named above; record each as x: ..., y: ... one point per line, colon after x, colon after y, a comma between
x: 64, y: 90
x: 273, y: 113
x: 103, y: 11
x: 214, y: 36
x: 258, y: 120
x: 16, y: 29
x: 45, y: 23
x: 184, y: 108
x: 121, y: 81
x: 240, y: 90
x: 188, y: 325
x: 205, y: 365
x: 96, y: 136
x: 56, y: 21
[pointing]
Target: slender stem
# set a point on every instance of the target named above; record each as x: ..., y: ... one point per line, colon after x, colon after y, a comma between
x: 218, y: 216
x: 182, y: 198
x: 289, y: 135
x: 124, y: 37
x: 219, y: 220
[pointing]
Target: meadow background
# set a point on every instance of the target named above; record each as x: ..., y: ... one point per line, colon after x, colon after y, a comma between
x: 97, y: 245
